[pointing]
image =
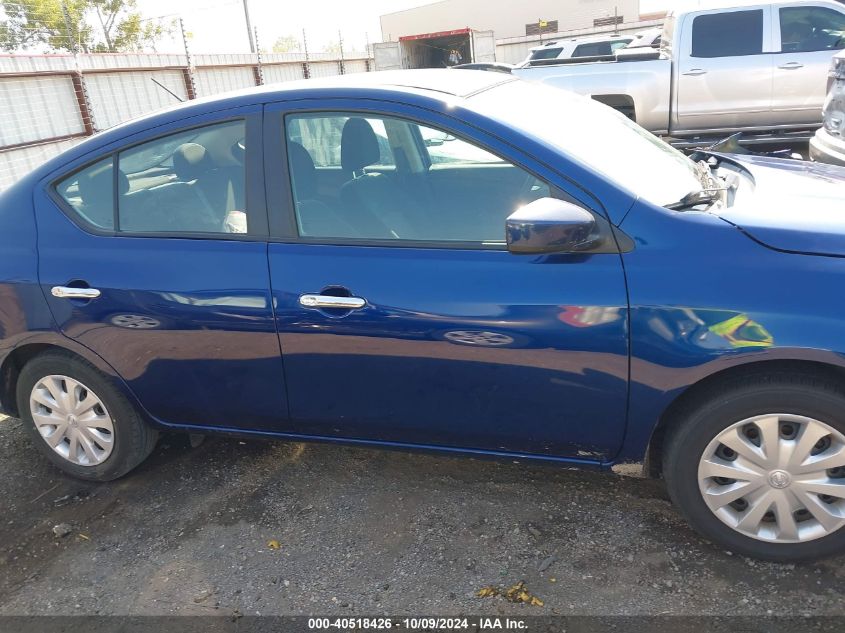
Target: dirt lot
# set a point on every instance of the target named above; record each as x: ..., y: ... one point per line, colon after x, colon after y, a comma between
x: 365, y: 532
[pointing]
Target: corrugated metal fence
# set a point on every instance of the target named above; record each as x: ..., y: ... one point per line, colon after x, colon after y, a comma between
x: 50, y: 102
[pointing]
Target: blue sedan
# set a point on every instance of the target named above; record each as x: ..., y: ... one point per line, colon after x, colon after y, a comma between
x: 444, y: 260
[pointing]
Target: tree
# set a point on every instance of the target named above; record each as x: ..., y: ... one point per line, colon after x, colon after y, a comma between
x: 45, y: 22
x: 333, y: 48
x: 67, y: 25
x: 286, y: 44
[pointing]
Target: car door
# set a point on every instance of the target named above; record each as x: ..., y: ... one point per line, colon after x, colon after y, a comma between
x: 401, y: 315
x: 808, y: 36
x: 724, y: 73
x: 153, y: 254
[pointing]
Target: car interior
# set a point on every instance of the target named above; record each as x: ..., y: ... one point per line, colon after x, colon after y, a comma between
x: 184, y: 183
x: 407, y: 182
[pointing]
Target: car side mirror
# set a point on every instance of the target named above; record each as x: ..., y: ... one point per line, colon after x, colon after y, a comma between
x: 549, y: 225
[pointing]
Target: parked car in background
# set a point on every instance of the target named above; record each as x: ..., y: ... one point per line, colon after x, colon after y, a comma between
x: 644, y: 43
x: 828, y: 145
x: 576, y: 48
x: 738, y: 65
x: 439, y: 260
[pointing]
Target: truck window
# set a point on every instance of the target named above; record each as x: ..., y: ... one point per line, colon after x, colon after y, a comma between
x: 730, y: 34
x: 546, y: 53
x: 593, y: 49
x: 810, y: 29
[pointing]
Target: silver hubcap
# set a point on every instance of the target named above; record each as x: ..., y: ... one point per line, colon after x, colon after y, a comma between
x: 777, y: 478
x: 72, y: 420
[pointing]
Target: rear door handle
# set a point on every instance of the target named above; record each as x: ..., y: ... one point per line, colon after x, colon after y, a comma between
x: 792, y: 66
x: 66, y: 292
x: 695, y: 72
x: 327, y: 301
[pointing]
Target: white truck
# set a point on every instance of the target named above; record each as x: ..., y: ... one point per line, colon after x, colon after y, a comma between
x: 723, y: 67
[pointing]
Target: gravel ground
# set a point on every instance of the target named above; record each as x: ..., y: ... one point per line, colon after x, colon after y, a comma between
x: 365, y: 532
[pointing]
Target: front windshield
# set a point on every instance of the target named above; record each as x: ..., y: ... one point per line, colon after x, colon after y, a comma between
x: 595, y: 135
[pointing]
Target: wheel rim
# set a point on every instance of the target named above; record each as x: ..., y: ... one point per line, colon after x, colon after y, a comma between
x: 778, y: 478
x: 72, y: 420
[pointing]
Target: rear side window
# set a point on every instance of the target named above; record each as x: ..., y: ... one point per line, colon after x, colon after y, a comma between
x: 188, y: 182
x: 90, y: 194
x: 731, y: 34
x: 192, y: 181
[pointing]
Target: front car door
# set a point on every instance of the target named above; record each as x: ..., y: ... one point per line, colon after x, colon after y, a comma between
x: 402, y: 317
x: 153, y: 254
x: 724, y: 74
x: 808, y: 36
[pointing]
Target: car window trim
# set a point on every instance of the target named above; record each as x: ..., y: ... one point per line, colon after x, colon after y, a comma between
x: 285, y: 229
x: 253, y: 126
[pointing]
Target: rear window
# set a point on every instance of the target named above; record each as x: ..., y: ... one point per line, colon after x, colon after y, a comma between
x: 731, y: 34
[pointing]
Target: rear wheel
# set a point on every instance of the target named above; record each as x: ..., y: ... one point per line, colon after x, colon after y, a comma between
x: 759, y: 467
x: 80, y: 420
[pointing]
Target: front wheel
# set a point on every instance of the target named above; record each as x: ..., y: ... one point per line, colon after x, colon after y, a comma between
x: 80, y: 420
x: 758, y: 467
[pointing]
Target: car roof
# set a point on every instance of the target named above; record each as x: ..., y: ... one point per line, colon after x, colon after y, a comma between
x: 411, y: 85
x: 686, y: 6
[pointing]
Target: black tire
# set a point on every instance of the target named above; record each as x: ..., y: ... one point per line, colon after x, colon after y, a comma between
x: 134, y: 440
x: 712, y: 411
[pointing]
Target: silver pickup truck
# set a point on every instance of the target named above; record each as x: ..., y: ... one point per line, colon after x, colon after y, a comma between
x: 746, y: 65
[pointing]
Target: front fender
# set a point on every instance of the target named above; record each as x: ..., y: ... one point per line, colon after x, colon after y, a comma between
x: 705, y: 298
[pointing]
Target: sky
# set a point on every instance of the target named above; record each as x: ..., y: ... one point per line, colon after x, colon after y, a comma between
x: 218, y: 26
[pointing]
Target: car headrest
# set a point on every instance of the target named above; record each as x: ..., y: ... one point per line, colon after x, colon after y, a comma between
x: 190, y: 161
x: 358, y: 145
x: 303, y: 171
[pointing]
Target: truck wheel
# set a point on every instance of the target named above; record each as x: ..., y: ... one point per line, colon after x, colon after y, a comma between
x: 80, y: 420
x: 758, y: 466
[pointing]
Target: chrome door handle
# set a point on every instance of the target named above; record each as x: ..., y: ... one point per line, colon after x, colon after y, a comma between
x: 695, y: 72
x: 792, y: 66
x: 327, y: 301
x: 65, y: 292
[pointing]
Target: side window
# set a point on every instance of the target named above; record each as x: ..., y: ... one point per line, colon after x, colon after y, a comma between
x: 189, y: 182
x: 321, y: 136
x: 615, y: 46
x: 810, y: 29
x: 436, y: 188
x: 90, y: 194
x: 444, y: 148
x: 729, y: 34
x: 593, y: 49
x: 546, y: 53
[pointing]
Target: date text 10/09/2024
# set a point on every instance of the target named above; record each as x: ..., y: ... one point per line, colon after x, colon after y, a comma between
x: 417, y: 624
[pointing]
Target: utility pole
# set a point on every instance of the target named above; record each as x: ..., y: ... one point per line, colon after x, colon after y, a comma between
x: 340, y: 44
x: 306, y: 67
x: 249, y: 27
x: 188, y: 71
x: 71, y: 39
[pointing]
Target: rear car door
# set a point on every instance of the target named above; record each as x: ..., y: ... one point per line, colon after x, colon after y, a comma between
x: 153, y: 254
x: 401, y: 315
x: 809, y: 36
x: 724, y: 72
